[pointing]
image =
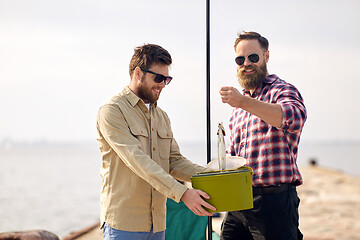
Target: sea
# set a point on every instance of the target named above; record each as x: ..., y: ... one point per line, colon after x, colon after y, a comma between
x: 55, y: 186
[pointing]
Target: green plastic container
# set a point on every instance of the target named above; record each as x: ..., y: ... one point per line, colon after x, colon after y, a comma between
x: 229, y: 190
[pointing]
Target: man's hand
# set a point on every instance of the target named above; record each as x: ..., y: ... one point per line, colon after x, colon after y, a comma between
x: 193, y: 200
x: 268, y: 112
x: 231, y: 96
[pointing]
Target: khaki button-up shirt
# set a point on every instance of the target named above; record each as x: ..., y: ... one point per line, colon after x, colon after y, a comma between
x: 138, y: 153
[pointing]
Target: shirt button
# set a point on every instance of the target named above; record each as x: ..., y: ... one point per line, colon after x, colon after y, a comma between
x: 152, y: 129
x: 153, y: 149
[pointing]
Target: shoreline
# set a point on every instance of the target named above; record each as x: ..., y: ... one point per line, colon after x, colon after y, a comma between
x: 329, y: 207
x: 82, y: 232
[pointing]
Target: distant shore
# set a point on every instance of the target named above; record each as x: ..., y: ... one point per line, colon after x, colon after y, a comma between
x: 329, y: 208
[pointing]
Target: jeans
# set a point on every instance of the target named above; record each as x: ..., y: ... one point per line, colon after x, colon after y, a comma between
x: 110, y: 233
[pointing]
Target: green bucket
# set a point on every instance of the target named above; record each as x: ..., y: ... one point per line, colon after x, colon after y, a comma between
x: 229, y: 190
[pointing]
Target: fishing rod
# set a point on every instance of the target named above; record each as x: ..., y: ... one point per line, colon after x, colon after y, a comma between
x: 208, y: 126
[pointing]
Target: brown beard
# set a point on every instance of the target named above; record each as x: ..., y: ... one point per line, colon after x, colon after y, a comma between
x: 251, y: 82
x: 145, y: 93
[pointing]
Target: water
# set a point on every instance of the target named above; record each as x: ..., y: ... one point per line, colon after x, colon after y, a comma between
x: 342, y: 156
x: 56, y: 187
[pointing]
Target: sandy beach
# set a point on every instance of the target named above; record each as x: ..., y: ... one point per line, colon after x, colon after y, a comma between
x: 330, y: 204
x: 329, y: 208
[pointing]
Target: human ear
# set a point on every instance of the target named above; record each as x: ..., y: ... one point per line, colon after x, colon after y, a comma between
x: 137, y: 73
x: 267, y: 56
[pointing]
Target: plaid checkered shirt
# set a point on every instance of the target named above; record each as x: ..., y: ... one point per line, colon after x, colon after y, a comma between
x: 271, y: 152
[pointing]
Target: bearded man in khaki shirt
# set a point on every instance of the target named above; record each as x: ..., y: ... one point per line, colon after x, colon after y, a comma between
x: 140, y: 157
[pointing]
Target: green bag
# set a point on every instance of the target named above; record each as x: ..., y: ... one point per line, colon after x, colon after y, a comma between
x: 182, y: 223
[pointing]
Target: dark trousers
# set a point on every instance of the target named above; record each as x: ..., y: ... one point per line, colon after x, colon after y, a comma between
x: 274, y: 216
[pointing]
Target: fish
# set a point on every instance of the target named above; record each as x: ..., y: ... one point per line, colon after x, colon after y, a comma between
x: 221, y: 147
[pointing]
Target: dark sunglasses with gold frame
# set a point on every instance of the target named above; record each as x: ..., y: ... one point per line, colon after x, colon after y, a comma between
x: 254, y: 58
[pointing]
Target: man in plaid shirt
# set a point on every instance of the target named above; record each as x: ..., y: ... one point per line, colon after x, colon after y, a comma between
x: 265, y: 129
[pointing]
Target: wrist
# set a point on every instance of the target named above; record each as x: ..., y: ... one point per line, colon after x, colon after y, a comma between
x: 183, y: 195
x: 243, y: 101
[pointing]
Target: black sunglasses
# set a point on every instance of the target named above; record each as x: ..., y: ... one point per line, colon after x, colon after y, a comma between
x: 254, y: 58
x: 158, y: 77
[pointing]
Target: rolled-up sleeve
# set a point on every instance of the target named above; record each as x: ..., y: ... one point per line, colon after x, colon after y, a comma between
x: 293, y: 109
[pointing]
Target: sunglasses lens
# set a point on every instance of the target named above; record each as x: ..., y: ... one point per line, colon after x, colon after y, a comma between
x: 253, y: 58
x: 158, y: 78
x: 240, y: 60
x: 167, y: 80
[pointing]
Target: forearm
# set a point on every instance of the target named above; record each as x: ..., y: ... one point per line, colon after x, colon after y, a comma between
x: 180, y: 167
x: 271, y: 113
x: 268, y: 112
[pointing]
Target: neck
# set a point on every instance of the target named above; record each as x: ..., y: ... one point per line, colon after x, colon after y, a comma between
x: 132, y: 86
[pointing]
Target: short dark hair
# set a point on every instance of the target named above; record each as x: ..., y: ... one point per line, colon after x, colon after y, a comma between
x: 252, y: 35
x: 147, y: 55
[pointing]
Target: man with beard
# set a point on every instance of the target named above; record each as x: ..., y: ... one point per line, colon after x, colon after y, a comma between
x: 140, y: 157
x: 265, y: 129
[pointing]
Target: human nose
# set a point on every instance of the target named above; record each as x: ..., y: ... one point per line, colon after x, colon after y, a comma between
x: 247, y: 62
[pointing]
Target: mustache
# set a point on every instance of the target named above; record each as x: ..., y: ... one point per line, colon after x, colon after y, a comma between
x: 241, y: 70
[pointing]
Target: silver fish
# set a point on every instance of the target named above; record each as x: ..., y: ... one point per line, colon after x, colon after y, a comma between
x: 221, y: 147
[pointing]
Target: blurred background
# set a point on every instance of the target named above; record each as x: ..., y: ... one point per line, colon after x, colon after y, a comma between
x: 61, y: 60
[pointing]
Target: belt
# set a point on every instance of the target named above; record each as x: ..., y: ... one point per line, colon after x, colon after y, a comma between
x: 273, y: 189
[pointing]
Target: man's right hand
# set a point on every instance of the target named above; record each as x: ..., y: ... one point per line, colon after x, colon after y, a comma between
x: 193, y: 200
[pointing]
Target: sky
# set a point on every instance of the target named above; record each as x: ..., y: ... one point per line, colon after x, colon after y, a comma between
x: 61, y: 60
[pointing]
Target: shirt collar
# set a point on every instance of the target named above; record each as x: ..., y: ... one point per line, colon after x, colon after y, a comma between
x: 133, y: 98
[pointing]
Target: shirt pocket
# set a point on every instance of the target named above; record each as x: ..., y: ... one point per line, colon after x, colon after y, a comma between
x: 141, y: 134
x: 164, y: 142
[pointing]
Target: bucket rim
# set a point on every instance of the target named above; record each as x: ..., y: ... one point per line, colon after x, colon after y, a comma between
x: 223, y: 172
